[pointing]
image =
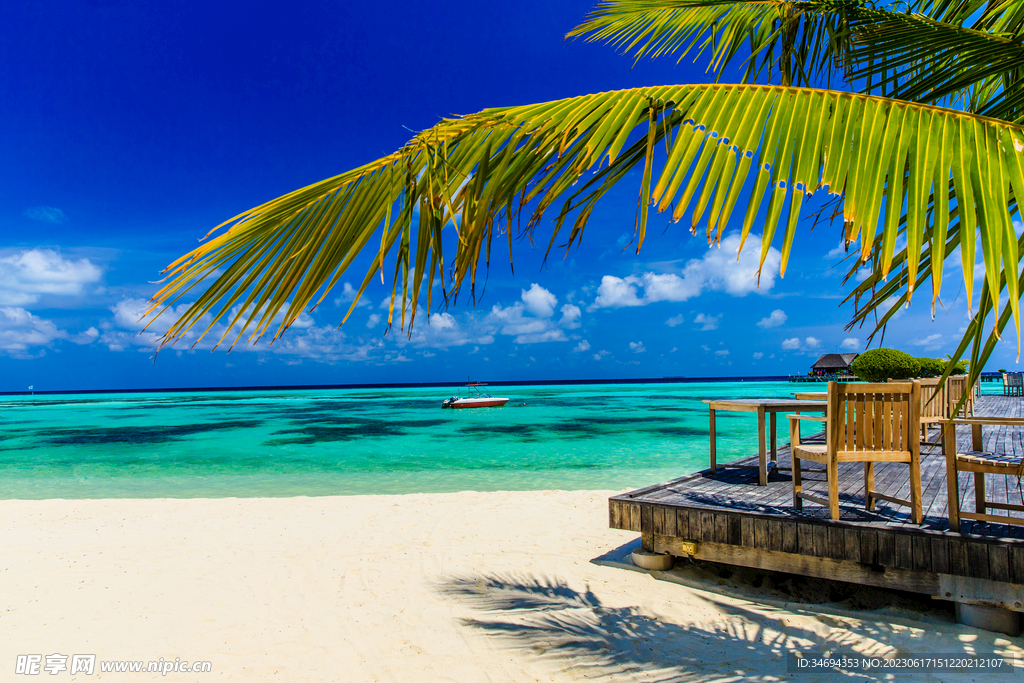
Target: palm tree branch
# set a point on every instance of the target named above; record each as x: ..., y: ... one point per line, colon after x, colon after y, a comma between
x: 919, y: 58
x: 476, y: 171
x: 801, y: 39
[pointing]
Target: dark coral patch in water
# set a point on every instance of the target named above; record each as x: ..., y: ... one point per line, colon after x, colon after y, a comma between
x: 526, y: 432
x: 355, y: 429
x: 676, y: 431
x: 136, y: 435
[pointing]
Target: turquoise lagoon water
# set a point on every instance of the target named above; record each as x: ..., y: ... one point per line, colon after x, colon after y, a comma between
x: 365, y: 441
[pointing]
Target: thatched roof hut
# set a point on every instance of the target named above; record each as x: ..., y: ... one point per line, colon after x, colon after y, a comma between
x: 833, y: 363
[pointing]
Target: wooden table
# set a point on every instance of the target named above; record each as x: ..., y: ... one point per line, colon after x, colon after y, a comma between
x: 761, y: 406
x: 810, y: 395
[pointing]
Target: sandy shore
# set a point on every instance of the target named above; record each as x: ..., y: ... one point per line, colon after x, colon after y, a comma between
x: 440, y: 587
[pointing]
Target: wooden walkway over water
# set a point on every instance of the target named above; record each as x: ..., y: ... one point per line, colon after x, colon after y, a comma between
x: 726, y: 517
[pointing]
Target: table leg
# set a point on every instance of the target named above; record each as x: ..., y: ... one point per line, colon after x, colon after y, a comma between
x: 775, y: 454
x: 711, y: 420
x: 762, y: 469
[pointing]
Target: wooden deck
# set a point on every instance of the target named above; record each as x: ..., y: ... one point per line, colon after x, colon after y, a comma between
x: 725, y: 517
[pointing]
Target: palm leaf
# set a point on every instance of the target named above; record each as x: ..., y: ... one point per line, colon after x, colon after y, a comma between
x: 916, y: 57
x: 799, y: 40
x: 480, y: 172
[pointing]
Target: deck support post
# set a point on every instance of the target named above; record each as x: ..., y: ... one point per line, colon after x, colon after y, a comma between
x: 988, y: 618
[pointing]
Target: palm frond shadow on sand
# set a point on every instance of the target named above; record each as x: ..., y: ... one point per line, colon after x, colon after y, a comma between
x: 597, y: 641
x: 580, y: 635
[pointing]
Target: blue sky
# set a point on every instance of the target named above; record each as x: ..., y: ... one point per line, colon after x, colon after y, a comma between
x: 131, y: 128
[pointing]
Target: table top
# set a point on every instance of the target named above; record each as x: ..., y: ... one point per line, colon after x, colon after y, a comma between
x: 810, y: 395
x: 769, y: 405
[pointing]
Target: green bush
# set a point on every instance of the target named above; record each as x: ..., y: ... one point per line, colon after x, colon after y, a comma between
x: 879, y: 365
x: 930, y: 367
x: 934, y: 367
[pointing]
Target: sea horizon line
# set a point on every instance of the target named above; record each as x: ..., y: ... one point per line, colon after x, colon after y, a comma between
x: 404, y: 385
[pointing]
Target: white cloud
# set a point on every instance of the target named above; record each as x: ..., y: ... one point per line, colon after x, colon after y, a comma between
x: 601, y: 354
x: 444, y: 331
x: 718, y: 270
x: 348, y: 295
x: 46, y: 214
x: 616, y: 292
x: 584, y: 345
x: 676, y: 320
x: 932, y: 342
x: 791, y: 344
x: 722, y: 352
x: 87, y: 337
x: 27, y: 275
x: 838, y: 251
x: 541, y: 337
x: 637, y: 347
x: 850, y: 344
x: 707, y: 322
x: 758, y: 355
x: 539, y: 301
x: 372, y: 321
x: 20, y: 330
x: 530, y: 319
x: 774, y: 319
x: 812, y: 342
x: 570, y: 317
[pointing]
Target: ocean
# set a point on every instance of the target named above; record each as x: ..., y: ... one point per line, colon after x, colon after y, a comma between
x: 214, y: 444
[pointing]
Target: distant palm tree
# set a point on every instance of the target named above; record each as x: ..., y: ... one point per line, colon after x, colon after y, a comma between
x: 928, y: 148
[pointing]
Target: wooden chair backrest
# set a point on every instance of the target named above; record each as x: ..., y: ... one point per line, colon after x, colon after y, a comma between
x: 865, y: 417
x: 934, y: 398
x: 939, y: 401
x: 957, y: 388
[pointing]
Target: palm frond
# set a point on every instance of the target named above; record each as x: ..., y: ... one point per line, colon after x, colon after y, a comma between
x: 915, y: 57
x: 798, y: 40
x: 480, y: 172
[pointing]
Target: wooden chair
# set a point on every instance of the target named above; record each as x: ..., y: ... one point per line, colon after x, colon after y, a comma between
x: 979, y: 462
x: 938, y: 401
x: 866, y: 423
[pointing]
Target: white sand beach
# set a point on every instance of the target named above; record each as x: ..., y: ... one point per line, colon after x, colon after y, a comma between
x: 435, y: 587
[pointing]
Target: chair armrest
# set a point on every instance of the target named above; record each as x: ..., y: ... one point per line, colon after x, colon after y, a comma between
x: 989, y: 420
x: 794, y: 427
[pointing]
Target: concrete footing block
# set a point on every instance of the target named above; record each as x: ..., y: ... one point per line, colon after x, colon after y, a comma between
x: 988, y: 618
x: 656, y: 561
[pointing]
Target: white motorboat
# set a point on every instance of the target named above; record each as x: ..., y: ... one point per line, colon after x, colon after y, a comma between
x: 476, y: 398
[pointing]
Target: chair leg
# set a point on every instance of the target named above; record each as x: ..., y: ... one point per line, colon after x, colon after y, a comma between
x: 916, y: 511
x: 869, y: 486
x: 979, y: 493
x: 798, y: 502
x: 833, y: 488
